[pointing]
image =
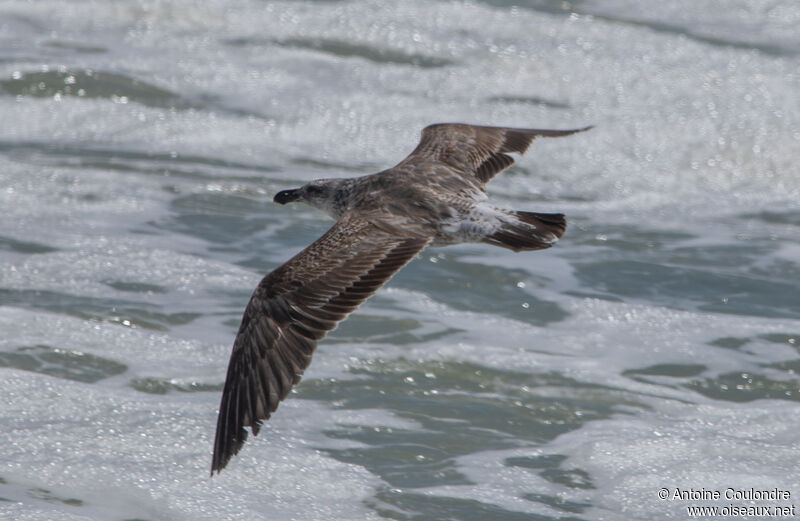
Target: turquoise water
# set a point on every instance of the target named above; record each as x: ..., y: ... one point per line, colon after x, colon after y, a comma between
x: 655, y: 346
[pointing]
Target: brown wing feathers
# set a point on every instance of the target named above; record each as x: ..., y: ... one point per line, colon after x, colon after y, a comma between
x: 493, y: 165
x: 476, y: 148
x: 291, y: 309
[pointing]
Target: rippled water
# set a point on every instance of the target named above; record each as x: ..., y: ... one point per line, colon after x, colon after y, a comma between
x: 657, y: 345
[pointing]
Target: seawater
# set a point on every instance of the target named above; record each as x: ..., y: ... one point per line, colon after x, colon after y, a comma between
x: 654, y: 347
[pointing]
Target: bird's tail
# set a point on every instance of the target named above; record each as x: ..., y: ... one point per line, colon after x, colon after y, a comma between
x: 528, y: 231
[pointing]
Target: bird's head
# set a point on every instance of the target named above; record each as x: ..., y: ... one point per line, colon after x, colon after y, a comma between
x: 324, y: 194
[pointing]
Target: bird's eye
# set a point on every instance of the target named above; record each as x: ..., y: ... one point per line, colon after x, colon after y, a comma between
x: 314, y: 189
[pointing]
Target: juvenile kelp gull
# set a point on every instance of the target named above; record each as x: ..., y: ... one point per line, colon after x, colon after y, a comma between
x: 434, y: 197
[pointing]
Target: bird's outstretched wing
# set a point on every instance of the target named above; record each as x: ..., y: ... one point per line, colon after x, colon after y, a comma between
x: 477, y: 150
x: 292, y: 308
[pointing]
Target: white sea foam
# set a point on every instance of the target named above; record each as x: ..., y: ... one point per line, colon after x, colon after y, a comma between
x: 136, y: 223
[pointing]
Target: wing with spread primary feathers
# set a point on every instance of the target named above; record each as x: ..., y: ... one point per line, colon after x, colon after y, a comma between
x: 292, y: 308
x: 477, y: 150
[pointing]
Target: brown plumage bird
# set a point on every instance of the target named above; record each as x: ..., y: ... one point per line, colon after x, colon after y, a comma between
x: 434, y: 197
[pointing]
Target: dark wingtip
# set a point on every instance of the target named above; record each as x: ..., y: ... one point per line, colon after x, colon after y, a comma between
x: 559, y: 133
x: 226, y: 450
x: 230, y: 435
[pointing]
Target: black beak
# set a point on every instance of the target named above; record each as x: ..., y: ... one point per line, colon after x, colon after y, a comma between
x: 287, y: 196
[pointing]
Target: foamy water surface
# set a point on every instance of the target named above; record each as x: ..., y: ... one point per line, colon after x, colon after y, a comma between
x: 655, y: 346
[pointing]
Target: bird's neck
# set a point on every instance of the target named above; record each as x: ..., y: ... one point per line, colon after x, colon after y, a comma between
x: 340, y: 199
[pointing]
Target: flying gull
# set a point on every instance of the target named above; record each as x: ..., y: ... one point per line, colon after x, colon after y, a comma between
x: 434, y: 197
